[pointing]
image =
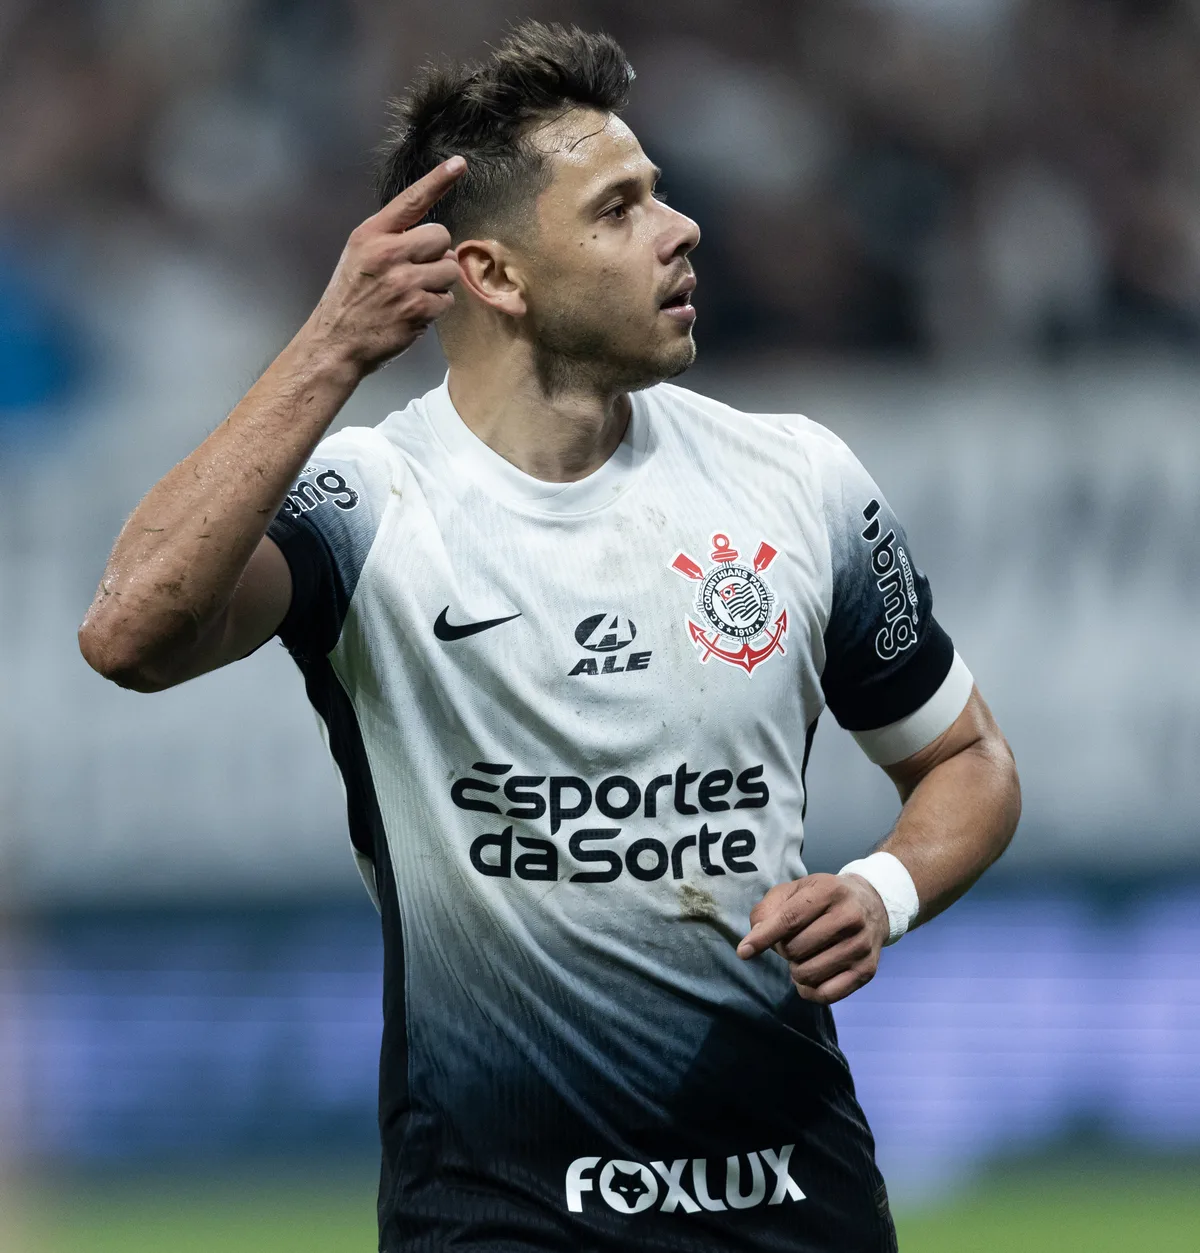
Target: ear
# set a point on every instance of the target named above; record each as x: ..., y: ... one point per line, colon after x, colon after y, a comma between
x: 493, y: 275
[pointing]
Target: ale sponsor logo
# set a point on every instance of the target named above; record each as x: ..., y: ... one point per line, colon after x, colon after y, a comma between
x: 608, y: 634
x: 684, y: 1186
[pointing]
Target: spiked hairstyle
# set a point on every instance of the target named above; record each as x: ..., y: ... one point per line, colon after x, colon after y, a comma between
x: 484, y: 112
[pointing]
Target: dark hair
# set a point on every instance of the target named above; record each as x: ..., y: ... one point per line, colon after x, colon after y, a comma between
x: 484, y: 111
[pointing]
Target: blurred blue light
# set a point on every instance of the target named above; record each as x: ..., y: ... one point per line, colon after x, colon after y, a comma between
x: 39, y: 358
x: 999, y: 1028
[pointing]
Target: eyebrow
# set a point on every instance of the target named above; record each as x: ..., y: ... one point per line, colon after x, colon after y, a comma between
x: 630, y: 183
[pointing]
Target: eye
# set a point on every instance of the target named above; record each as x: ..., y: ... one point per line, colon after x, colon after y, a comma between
x: 660, y: 196
x: 617, y: 212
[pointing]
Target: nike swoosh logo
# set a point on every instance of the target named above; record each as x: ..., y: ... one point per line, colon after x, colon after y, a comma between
x: 448, y: 631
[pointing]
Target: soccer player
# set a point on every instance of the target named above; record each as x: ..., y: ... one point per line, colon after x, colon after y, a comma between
x: 570, y: 629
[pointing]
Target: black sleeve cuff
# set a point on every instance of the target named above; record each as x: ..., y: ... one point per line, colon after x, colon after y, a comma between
x: 307, y: 626
x: 893, y: 693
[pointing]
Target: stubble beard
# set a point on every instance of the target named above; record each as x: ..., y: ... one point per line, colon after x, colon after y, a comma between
x: 570, y: 357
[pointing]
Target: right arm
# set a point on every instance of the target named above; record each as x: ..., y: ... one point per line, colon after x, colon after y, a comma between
x: 193, y: 582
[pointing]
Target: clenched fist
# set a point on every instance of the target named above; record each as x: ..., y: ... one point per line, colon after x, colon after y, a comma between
x: 828, y: 928
x: 393, y: 278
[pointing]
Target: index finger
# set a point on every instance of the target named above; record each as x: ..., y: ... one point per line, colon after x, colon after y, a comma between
x: 415, y: 201
x: 792, y: 912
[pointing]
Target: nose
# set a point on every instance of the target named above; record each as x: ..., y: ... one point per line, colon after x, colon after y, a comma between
x: 679, y: 235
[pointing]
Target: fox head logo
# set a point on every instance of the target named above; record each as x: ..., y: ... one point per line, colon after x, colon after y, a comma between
x: 628, y: 1185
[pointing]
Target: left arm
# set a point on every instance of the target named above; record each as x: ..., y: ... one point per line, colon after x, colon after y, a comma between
x: 892, y: 678
x: 961, y: 800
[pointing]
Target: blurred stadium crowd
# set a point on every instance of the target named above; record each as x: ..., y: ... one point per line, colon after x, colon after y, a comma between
x: 934, y: 177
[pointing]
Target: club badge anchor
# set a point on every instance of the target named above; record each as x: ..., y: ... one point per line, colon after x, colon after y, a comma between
x: 737, y: 603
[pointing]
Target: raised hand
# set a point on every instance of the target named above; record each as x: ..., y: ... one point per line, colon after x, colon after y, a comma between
x: 393, y: 278
x: 192, y: 583
x: 828, y: 928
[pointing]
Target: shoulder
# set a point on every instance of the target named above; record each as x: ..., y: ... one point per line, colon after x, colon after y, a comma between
x: 326, y: 528
x: 669, y: 402
x: 340, y: 496
x: 364, y: 448
x: 351, y: 471
x: 793, y: 438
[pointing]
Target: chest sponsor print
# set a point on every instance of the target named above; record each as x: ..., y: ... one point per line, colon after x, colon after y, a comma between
x: 607, y: 634
x: 595, y: 854
x: 736, y: 617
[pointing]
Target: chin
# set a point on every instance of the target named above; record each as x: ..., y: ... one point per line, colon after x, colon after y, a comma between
x: 669, y: 363
x: 683, y: 357
x: 594, y: 363
x: 676, y: 360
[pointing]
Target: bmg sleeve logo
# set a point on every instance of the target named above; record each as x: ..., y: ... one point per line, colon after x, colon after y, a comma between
x: 893, y: 574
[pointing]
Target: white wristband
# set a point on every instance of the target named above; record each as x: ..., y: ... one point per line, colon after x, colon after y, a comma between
x: 889, y: 877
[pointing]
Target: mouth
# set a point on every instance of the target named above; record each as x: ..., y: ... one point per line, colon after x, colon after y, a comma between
x: 679, y: 303
x: 681, y: 297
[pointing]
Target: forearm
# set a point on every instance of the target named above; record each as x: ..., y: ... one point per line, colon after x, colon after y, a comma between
x: 169, y: 605
x: 956, y: 821
x: 177, y: 561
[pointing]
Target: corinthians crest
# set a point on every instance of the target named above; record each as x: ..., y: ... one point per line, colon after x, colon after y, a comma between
x: 735, y: 606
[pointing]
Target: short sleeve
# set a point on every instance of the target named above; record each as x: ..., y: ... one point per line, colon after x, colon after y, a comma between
x: 325, y: 529
x: 891, y: 674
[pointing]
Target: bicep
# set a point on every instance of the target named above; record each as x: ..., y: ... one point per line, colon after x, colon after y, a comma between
x: 973, y: 727
x: 885, y: 654
x: 299, y: 582
x: 892, y: 676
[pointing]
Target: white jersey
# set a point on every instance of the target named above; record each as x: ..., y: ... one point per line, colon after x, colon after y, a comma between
x: 573, y: 722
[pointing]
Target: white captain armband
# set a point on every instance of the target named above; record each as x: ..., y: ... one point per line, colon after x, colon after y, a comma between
x: 887, y: 745
x: 889, y: 877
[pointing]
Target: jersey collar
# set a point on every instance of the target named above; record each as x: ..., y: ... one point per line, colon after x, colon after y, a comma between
x: 503, y: 481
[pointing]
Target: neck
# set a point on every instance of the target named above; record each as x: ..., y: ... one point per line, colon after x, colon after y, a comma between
x: 558, y: 436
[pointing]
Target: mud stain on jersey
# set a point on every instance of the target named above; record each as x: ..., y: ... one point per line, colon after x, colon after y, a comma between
x: 699, y: 905
x: 657, y: 517
x: 695, y: 903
